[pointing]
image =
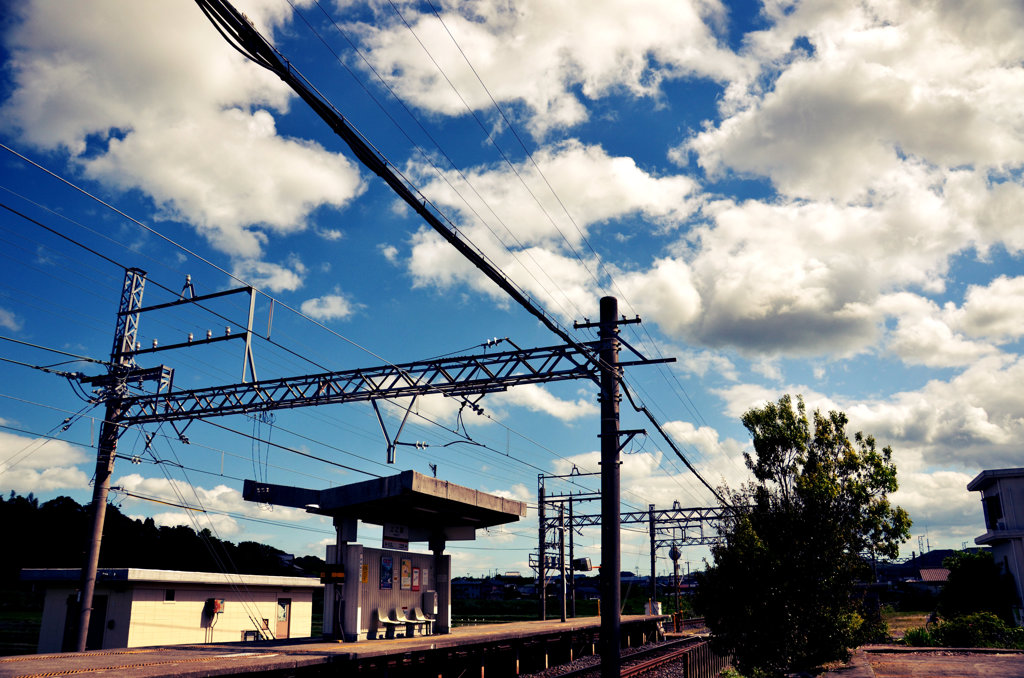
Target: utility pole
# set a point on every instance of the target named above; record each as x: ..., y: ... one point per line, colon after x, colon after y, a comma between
x: 561, y: 555
x: 541, y: 550
x: 611, y: 551
x: 121, y: 364
x: 654, y: 581
x: 572, y: 564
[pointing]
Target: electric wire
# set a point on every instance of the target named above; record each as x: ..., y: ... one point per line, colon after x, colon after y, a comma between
x: 688, y: 403
x: 426, y: 157
x: 75, y: 242
x: 267, y: 295
x: 228, y: 568
x: 515, y: 133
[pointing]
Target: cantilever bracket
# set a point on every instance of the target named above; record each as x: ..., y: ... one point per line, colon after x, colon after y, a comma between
x: 380, y: 419
x: 627, y: 436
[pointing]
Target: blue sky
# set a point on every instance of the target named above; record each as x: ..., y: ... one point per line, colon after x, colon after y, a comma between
x: 820, y: 198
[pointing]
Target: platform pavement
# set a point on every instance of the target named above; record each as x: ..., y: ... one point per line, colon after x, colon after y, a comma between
x: 220, y: 659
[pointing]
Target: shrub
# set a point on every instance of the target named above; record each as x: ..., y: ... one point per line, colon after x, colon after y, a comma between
x: 919, y: 637
x: 981, y: 629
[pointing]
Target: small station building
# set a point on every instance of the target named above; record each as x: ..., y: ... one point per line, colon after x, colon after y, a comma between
x: 1002, y: 501
x: 135, y: 607
x: 383, y: 592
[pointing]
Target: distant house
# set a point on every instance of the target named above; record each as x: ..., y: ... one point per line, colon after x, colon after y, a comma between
x: 923, y: 567
x: 1002, y: 500
x: 934, y: 576
x: 136, y: 607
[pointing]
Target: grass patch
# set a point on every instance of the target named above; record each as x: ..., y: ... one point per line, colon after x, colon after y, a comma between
x: 19, y: 632
x: 900, y: 622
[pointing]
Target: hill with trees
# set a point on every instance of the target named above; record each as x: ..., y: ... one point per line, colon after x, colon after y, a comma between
x: 55, y: 533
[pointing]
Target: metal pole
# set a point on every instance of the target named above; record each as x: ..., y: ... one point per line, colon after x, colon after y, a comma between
x: 611, y: 555
x: 542, y: 555
x: 572, y: 569
x: 674, y: 554
x: 561, y: 554
x: 675, y: 582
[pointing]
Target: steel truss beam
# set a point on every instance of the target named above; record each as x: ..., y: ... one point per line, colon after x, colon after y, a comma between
x: 665, y: 517
x: 455, y: 376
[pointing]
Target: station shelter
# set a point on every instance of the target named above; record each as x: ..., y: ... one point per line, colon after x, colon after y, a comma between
x: 372, y: 591
x: 136, y: 607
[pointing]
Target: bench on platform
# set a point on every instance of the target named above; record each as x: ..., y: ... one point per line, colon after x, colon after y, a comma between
x: 412, y: 622
x: 397, y: 618
x: 428, y: 623
x: 380, y: 621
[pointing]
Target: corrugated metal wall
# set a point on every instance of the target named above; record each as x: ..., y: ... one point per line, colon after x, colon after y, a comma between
x: 373, y: 594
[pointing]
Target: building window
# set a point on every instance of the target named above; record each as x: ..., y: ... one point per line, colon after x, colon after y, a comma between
x: 993, y: 512
x: 168, y: 595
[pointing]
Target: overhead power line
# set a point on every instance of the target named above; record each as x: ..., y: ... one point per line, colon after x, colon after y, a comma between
x: 245, y: 39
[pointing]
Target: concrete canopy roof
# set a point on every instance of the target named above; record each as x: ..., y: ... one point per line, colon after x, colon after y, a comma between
x: 137, y: 574
x: 986, y: 478
x: 428, y: 506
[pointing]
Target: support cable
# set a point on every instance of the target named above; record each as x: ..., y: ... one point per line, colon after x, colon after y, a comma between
x: 504, y: 157
x: 426, y: 157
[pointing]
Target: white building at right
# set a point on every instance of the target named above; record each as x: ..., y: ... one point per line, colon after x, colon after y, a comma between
x: 1002, y: 499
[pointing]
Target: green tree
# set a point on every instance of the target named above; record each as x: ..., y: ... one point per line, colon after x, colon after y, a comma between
x: 977, y: 584
x: 780, y: 594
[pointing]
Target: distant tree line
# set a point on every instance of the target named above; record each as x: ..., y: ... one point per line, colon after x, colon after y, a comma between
x: 55, y: 534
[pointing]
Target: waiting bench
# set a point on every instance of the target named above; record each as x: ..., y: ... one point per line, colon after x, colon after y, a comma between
x: 378, y: 621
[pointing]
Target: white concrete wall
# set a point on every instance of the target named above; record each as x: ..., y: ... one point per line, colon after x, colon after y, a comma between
x: 137, y: 614
x: 51, y: 631
x: 1011, y: 496
x: 156, y: 621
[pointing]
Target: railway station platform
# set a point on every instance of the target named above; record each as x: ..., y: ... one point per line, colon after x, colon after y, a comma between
x: 495, y: 650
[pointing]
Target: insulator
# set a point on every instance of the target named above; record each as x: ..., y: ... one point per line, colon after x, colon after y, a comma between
x: 190, y: 337
x: 154, y: 343
x: 209, y: 334
x: 227, y: 331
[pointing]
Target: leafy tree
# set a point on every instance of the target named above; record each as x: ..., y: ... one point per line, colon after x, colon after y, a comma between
x: 976, y: 584
x: 780, y: 593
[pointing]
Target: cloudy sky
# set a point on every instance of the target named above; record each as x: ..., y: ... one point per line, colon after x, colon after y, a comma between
x: 818, y: 198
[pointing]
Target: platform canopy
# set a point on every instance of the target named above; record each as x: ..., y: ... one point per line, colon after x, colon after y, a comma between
x: 428, y: 507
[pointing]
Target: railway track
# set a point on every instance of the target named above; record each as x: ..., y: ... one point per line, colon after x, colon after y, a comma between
x: 643, y: 660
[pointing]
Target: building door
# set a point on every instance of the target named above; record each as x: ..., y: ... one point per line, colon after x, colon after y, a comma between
x: 284, y: 615
x: 97, y: 624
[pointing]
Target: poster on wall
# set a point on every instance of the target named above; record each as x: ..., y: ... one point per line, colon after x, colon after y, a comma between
x: 425, y: 578
x: 415, y: 579
x: 387, y: 568
x: 406, y: 573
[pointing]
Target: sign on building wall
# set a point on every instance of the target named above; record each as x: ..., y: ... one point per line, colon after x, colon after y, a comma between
x: 415, y: 579
x: 395, y: 544
x: 387, y: 568
x: 406, y: 574
x: 395, y: 537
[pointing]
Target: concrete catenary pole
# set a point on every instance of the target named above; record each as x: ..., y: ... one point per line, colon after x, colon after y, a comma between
x: 121, y: 362
x: 653, y: 592
x: 611, y: 553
